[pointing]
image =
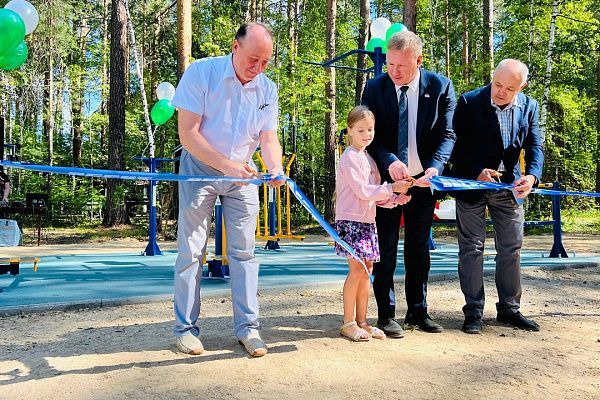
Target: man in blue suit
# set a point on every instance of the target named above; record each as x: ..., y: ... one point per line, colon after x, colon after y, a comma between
x: 493, y: 124
x: 413, y: 139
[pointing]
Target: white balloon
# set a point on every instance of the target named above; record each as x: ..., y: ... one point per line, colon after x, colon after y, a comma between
x: 379, y: 27
x: 165, y: 91
x: 27, y: 12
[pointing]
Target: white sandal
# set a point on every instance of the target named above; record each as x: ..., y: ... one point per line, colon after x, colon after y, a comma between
x: 360, y: 335
x: 375, y: 332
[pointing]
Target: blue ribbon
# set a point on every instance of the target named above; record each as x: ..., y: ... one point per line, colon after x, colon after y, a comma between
x: 317, y: 216
x: 131, y: 175
x: 444, y: 184
x: 162, y: 176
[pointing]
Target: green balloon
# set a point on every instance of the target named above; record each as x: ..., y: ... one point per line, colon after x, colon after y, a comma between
x: 395, y: 28
x: 12, y: 30
x: 14, y: 58
x: 376, y: 42
x: 162, y: 111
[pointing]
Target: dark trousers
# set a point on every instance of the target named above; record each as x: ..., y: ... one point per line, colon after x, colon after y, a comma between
x: 418, y: 217
x: 507, y: 217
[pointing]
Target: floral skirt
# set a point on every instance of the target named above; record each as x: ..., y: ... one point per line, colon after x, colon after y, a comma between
x: 362, y: 237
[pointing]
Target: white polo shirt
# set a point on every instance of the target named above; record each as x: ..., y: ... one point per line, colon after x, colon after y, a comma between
x: 233, y: 115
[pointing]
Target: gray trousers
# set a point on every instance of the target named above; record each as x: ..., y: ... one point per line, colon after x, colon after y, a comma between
x: 507, y: 218
x: 196, y: 204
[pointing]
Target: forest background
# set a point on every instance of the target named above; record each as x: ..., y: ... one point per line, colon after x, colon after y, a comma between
x: 77, y: 100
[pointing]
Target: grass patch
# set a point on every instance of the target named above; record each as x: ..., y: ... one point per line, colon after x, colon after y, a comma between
x: 581, y: 221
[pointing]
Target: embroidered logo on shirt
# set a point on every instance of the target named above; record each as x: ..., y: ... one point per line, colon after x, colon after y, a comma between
x: 263, y: 106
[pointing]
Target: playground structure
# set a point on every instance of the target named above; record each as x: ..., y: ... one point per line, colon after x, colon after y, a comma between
x: 12, y: 265
x: 558, y: 249
x: 271, y: 231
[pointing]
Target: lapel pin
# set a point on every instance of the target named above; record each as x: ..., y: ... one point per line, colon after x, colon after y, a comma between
x: 426, y: 95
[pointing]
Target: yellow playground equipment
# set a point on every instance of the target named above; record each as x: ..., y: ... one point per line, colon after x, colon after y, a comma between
x: 11, y: 265
x: 273, y: 215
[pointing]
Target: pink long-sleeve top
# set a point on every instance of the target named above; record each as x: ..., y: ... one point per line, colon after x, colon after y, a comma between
x: 359, y: 189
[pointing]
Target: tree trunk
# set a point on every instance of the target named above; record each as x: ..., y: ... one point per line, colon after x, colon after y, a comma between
x: 598, y: 128
x: 330, y: 121
x: 432, y: 35
x: 114, y: 213
x: 78, y: 93
x: 293, y: 12
x: 410, y: 14
x: 251, y: 10
x: 531, y: 37
x: 48, y: 124
x: 104, y: 100
x: 465, y: 48
x: 361, y: 61
x: 488, y: 39
x: 447, y: 38
x: 548, y: 75
x: 184, y: 35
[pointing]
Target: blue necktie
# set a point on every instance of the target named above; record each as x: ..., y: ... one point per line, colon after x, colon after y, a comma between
x: 403, y: 126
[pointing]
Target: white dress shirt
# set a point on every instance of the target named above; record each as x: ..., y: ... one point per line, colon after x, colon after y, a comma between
x: 233, y: 115
x: 412, y: 96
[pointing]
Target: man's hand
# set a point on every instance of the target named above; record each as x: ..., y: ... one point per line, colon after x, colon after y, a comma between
x: 398, y: 170
x: 524, y: 185
x: 277, y: 171
x: 239, y: 170
x: 489, y: 175
x: 424, y: 180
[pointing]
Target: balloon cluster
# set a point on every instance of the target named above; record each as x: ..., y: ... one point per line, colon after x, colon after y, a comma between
x: 381, y: 32
x: 17, y: 19
x: 162, y: 111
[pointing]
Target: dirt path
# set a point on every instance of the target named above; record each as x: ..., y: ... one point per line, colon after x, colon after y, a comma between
x: 128, y: 353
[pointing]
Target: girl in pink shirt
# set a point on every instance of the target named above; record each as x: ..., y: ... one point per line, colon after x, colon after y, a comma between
x: 358, y: 192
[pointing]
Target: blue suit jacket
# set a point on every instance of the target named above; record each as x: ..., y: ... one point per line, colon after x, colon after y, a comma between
x: 479, y: 141
x: 435, y: 137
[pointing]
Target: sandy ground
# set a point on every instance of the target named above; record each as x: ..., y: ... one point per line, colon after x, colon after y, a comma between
x: 128, y: 352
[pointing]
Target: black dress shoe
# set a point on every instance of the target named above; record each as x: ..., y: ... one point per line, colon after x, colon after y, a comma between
x: 391, y: 328
x: 519, y: 321
x: 472, y: 325
x: 424, y: 323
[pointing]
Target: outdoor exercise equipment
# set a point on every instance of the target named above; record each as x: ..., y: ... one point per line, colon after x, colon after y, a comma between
x: 12, y: 265
x: 272, y: 211
x: 153, y: 164
x: 443, y: 183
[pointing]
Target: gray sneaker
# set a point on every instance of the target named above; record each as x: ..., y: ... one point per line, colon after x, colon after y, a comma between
x: 391, y: 328
x: 189, y: 344
x: 254, y: 345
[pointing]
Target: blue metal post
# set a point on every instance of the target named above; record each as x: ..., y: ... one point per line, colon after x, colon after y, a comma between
x: 432, y: 245
x: 558, y: 250
x: 379, y: 60
x: 272, y: 244
x: 152, y: 248
x: 216, y: 267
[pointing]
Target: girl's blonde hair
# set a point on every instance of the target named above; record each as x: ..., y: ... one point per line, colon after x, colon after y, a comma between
x: 359, y: 113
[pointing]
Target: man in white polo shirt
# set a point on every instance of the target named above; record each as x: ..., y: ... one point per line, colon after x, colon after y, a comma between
x: 227, y: 108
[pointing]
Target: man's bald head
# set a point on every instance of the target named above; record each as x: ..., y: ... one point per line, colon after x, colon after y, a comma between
x: 252, y: 50
x: 510, y: 77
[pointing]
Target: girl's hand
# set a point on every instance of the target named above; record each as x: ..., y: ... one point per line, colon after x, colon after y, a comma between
x: 403, y: 185
x: 401, y: 199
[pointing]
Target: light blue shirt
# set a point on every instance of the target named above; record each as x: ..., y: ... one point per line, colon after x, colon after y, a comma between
x: 233, y: 115
x: 505, y: 119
